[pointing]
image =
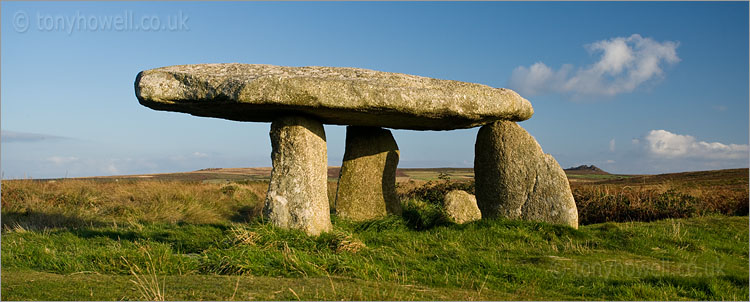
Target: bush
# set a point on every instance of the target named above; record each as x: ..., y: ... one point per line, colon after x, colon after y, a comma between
x: 598, y: 204
x: 727, y: 202
x: 420, y: 215
x: 423, y: 206
x: 434, y: 192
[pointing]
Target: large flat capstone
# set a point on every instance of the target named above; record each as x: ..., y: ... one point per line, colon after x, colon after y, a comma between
x: 331, y: 95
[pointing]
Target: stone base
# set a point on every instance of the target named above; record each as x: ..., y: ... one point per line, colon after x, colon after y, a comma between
x: 516, y: 180
x: 297, y: 194
x: 367, y: 183
x: 461, y: 207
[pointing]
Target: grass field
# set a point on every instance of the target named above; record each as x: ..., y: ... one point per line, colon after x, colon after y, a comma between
x: 150, y: 239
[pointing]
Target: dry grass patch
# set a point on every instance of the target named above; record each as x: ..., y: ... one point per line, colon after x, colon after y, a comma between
x: 32, y: 204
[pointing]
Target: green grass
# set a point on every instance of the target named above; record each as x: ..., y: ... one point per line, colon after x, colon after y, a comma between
x: 703, y: 258
x: 90, y: 240
x: 33, y: 285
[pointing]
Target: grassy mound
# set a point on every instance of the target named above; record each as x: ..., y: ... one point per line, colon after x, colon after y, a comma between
x: 154, y: 240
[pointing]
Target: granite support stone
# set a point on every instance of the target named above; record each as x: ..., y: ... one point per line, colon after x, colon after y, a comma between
x: 516, y: 180
x: 367, y: 182
x: 297, y: 196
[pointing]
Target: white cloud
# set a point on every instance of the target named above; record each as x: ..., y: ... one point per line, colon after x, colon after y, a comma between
x: 665, y: 144
x: 60, y: 160
x: 625, y: 63
x: 199, y: 155
x: 612, y: 145
x: 610, y: 161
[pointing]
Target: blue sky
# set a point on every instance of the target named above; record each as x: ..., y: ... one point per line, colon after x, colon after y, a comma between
x: 630, y: 87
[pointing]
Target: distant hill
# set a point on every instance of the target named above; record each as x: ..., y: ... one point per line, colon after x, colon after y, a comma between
x: 584, y: 169
x: 728, y: 178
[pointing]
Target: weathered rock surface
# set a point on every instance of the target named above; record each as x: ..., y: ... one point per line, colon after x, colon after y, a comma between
x: 461, y: 207
x: 516, y: 180
x: 297, y: 196
x: 344, y: 96
x: 367, y: 184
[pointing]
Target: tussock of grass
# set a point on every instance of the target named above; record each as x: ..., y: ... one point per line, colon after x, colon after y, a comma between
x: 149, y: 285
x: 420, y: 215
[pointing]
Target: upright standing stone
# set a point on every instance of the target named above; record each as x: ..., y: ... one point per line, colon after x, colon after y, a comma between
x: 367, y: 183
x: 516, y: 180
x: 297, y: 197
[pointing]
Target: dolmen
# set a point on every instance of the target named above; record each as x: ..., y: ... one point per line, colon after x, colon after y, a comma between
x: 514, y: 178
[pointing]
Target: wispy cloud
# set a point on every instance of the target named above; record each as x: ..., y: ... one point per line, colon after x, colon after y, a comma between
x: 62, y: 160
x: 199, y: 155
x: 15, y: 137
x: 612, y: 145
x: 624, y: 64
x: 665, y: 144
x: 191, y: 156
x: 112, y: 169
x: 720, y: 108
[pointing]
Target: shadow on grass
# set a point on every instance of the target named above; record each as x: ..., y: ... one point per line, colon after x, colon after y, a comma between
x: 246, y: 214
x: 708, y: 287
x: 33, y: 220
x: 185, y: 238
